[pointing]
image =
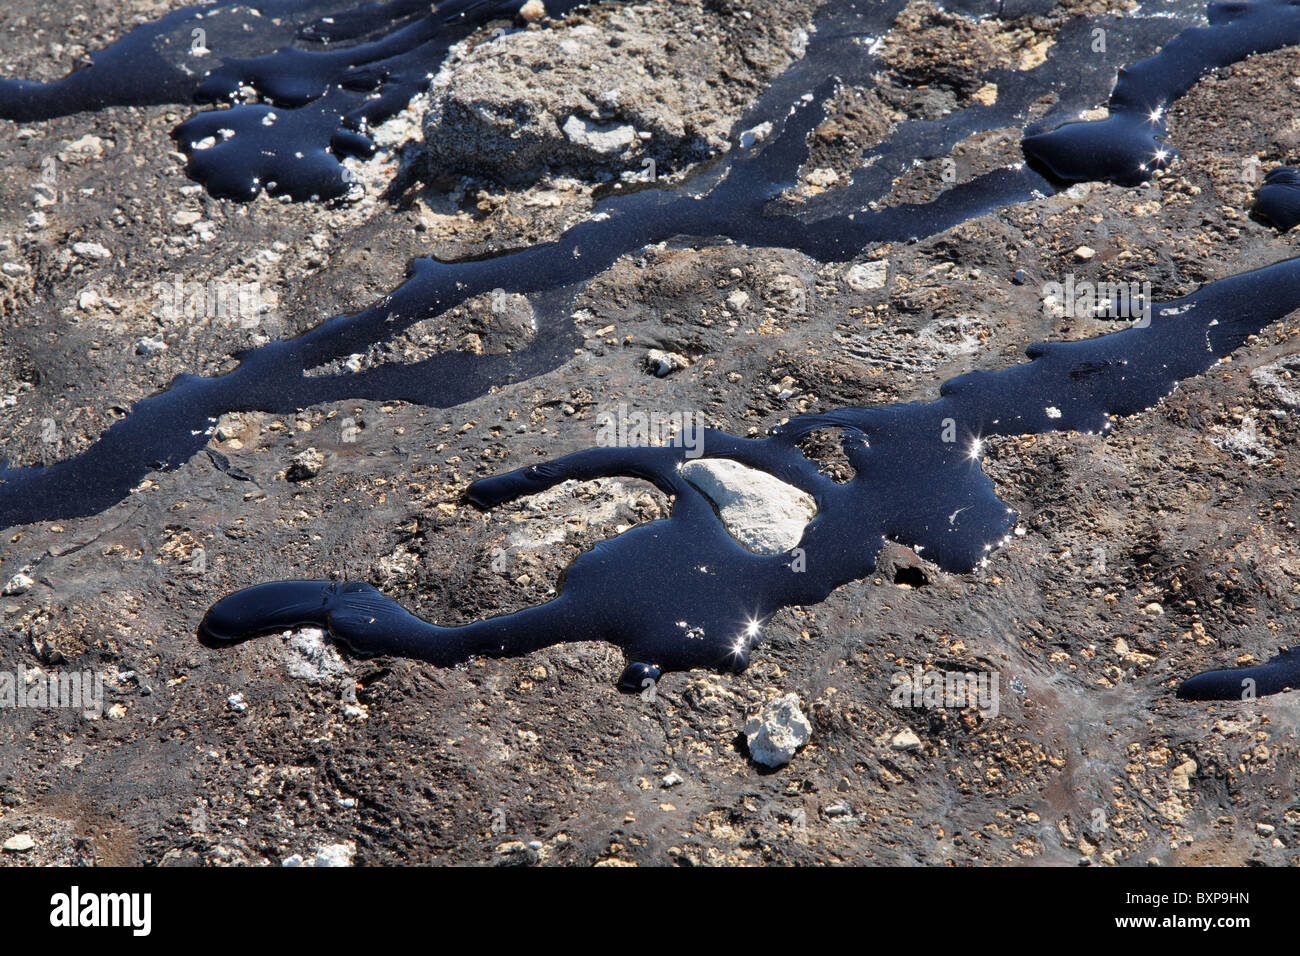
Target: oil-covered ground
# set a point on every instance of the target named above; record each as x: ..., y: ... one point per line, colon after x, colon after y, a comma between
x: 1141, y: 557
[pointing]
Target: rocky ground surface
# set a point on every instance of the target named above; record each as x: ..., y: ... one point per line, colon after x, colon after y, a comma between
x: 1162, y: 549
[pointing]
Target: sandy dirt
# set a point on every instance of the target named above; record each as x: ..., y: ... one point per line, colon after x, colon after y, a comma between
x: 1140, y: 558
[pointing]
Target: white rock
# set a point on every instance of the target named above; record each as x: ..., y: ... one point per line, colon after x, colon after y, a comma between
x: 663, y: 364
x: 1243, y: 441
x: 336, y: 854
x: 788, y: 292
x: 1281, y: 377
x: 755, y: 135
x: 19, y: 844
x: 237, y: 703
x: 307, y: 656
x: 866, y: 276
x: 20, y: 583
x: 763, y: 513
x: 737, y: 301
x: 88, y: 147
x: 905, y: 739
x: 1084, y: 253
x: 150, y: 346
x: 609, y: 139
x: 91, y: 250
x: 304, y: 465
x: 777, y: 731
x: 672, y: 779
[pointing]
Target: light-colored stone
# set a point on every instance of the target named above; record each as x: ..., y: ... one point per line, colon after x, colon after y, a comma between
x: 334, y: 854
x: 906, y: 739
x: 763, y: 513
x: 866, y: 276
x: 20, y: 583
x: 755, y: 135
x: 1283, y: 377
x: 308, y: 656
x: 788, y: 292
x: 607, y: 139
x: 19, y: 844
x: 1181, y: 776
x: 304, y: 465
x: 91, y: 250
x: 777, y: 731
x: 662, y: 364
x: 79, y: 150
x: 615, y: 94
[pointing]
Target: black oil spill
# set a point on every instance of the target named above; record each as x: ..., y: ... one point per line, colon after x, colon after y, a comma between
x: 1243, y: 683
x: 679, y: 592
x: 1278, y: 200
x: 733, y: 198
x: 157, y: 63
x: 1127, y: 147
x: 292, y: 114
x: 313, y: 108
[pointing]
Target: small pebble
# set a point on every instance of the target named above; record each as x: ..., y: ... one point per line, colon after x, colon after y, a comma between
x: 905, y: 739
x: 306, y: 464
x: 20, y: 583
x: 19, y: 844
x: 663, y: 364
x: 91, y: 250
